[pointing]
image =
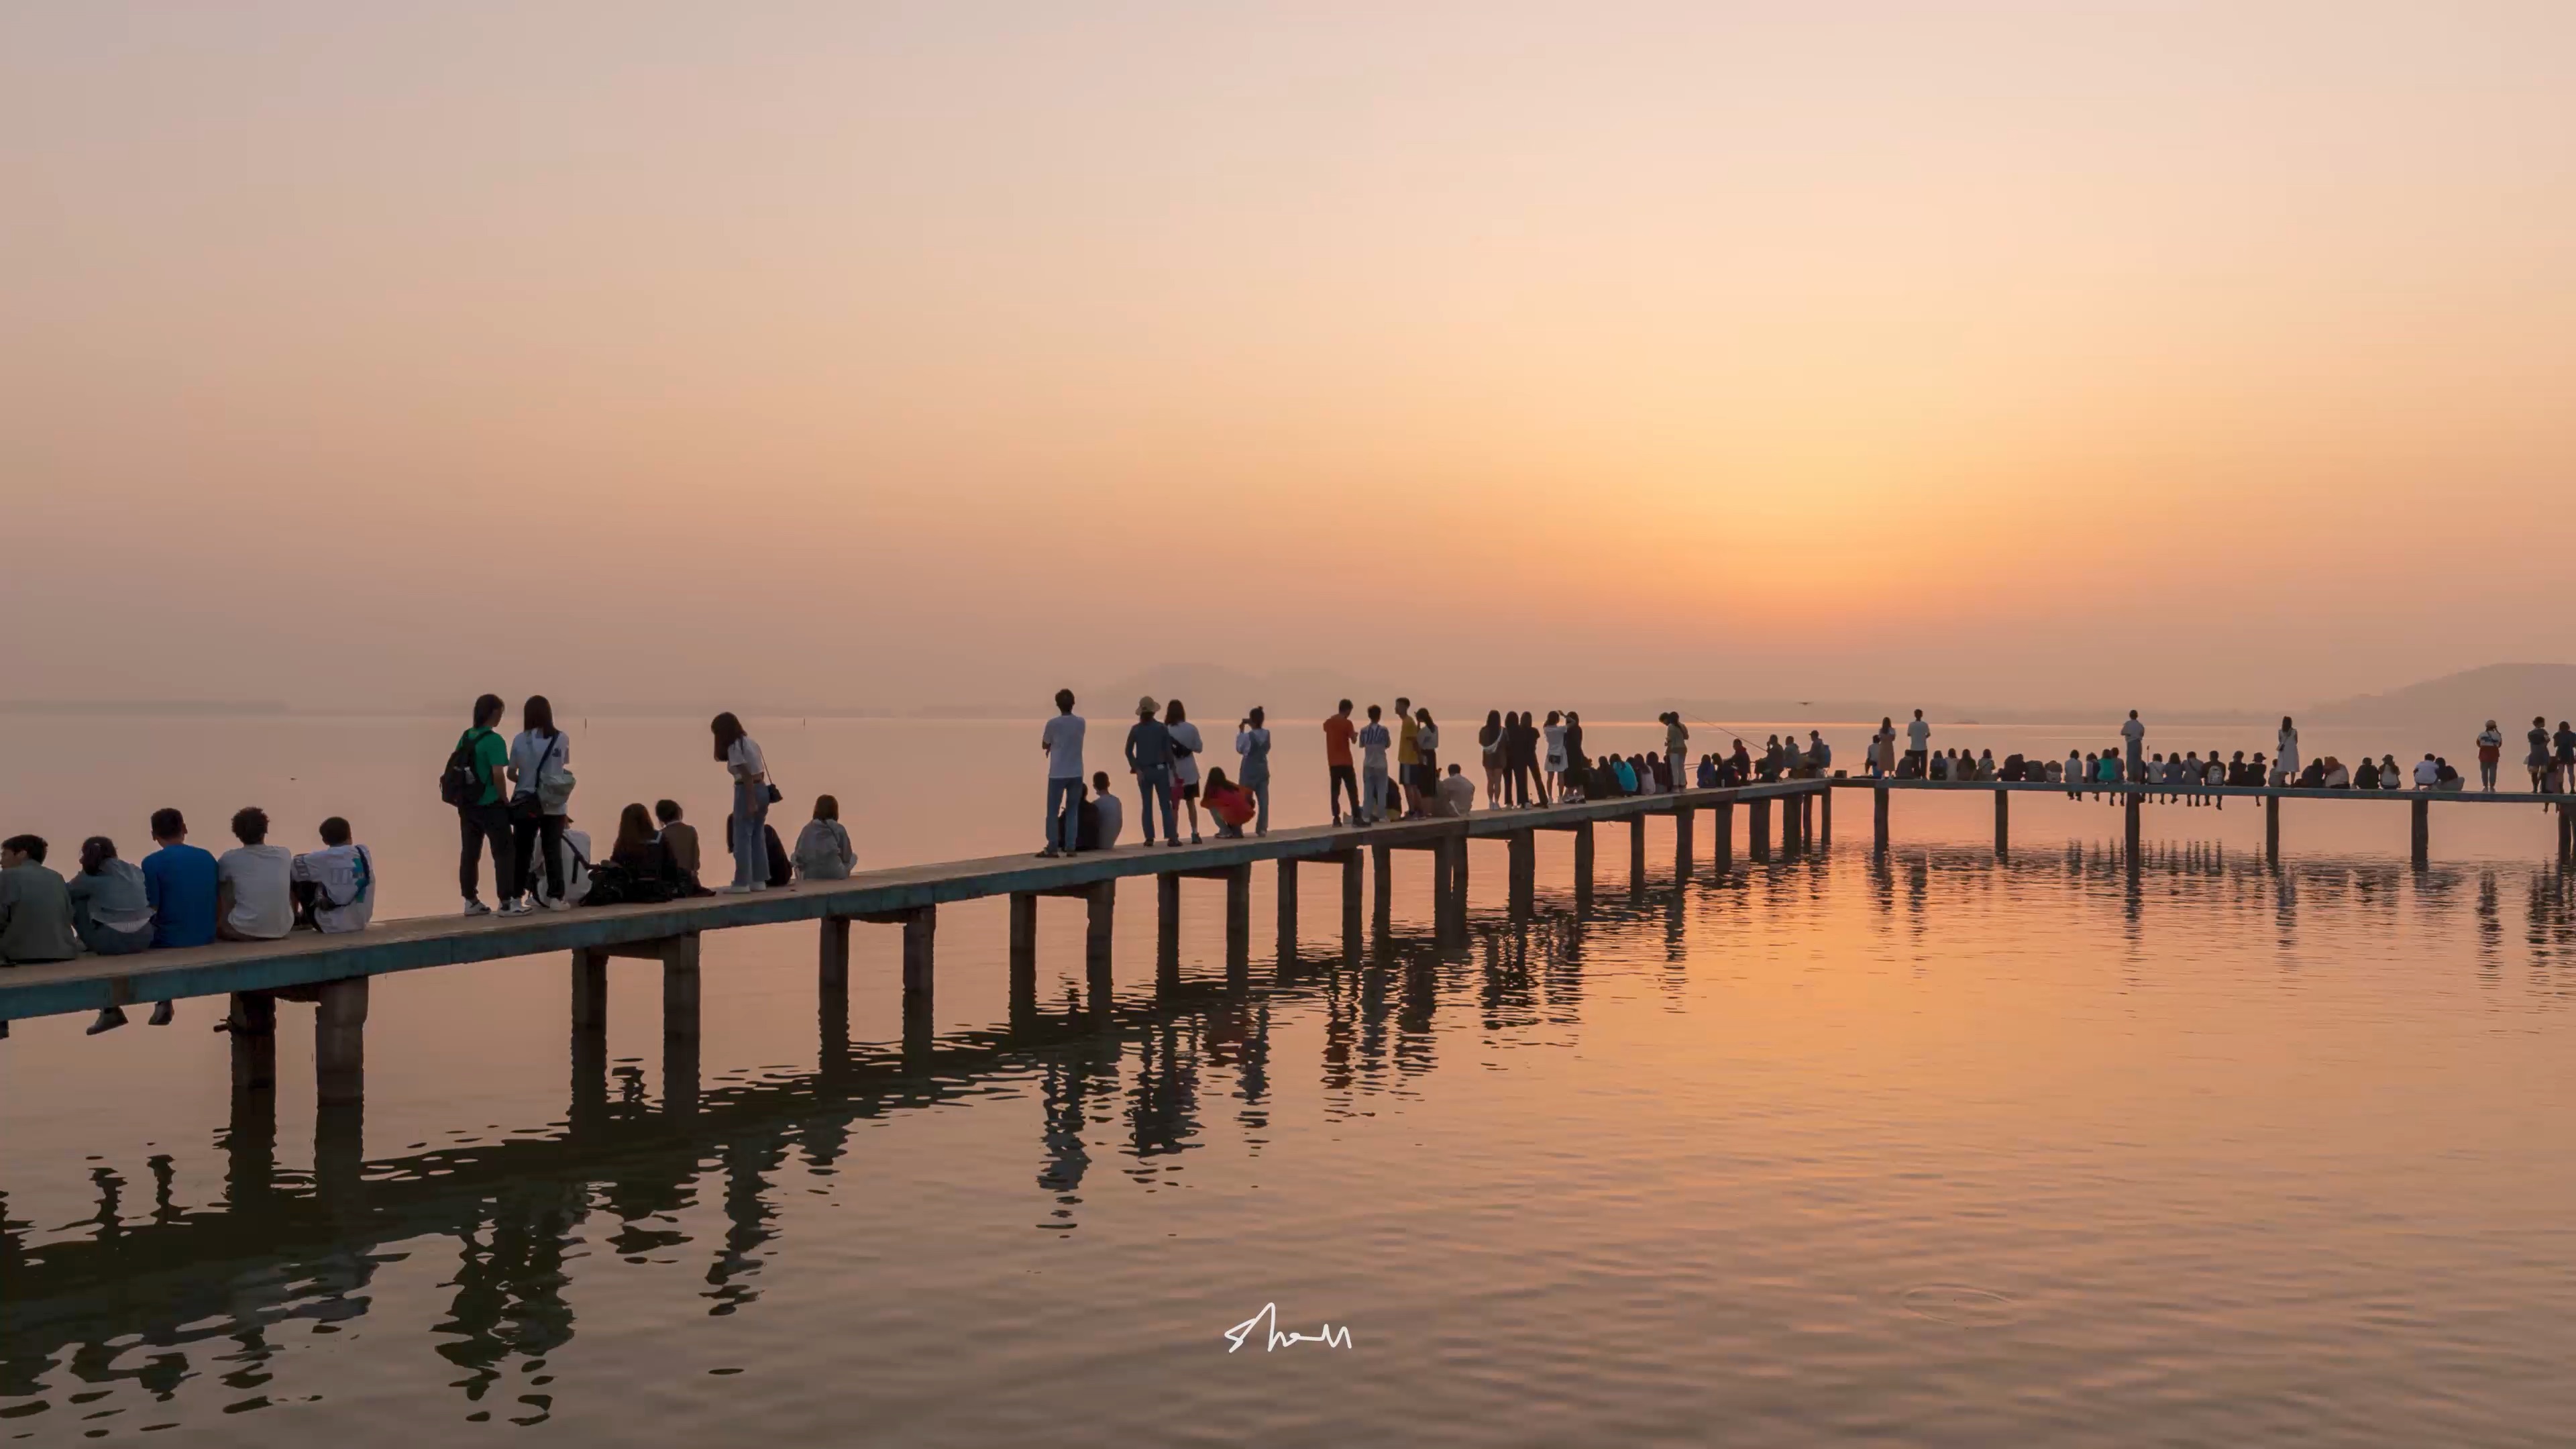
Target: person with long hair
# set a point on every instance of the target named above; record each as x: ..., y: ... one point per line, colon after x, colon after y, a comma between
x: 540, y: 782
x: 1426, y: 752
x: 1577, y: 766
x: 641, y: 850
x: 1230, y: 803
x: 1552, y: 764
x: 1489, y: 740
x: 2536, y: 757
x: 823, y: 847
x: 1186, y: 745
x: 748, y: 830
x: 2285, y: 758
x: 485, y: 814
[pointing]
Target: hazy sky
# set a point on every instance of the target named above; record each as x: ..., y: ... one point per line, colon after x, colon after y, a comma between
x: 2193, y: 353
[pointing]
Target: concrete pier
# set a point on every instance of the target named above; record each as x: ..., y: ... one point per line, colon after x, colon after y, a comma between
x: 1636, y: 853
x: 1760, y: 831
x: 1878, y: 817
x: 1583, y: 866
x: 2271, y: 827
x: 1523, y: 871
x: 1722, y: 849
x: 1682, y: 841
x: 2003, y: 824
x: 2420, y: 830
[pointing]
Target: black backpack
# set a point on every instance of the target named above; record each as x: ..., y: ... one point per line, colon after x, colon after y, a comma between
x: 461, y: 783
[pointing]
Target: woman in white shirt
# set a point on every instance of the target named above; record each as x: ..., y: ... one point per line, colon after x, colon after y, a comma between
x: 539, y: 753
x: 1554, y: 762
x: 743, y: 761
x: 2285, y: 759
x: 1186, y: 745
x: 1252, y: 741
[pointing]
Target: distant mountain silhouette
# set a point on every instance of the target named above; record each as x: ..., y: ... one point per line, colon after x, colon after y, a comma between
x: 2509, y: 693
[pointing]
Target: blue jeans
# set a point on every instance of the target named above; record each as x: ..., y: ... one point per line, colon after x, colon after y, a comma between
x: 750, y: 833
x: 1151, y: 785
x: 1064, y: 813
x: 1261, y: 796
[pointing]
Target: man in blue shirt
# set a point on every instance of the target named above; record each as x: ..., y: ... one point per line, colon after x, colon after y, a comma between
x: 179, y: 880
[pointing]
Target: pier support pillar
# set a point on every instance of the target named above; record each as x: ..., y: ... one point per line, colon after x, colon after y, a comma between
x: 1759, y: 834
x: 2566, y: 835
x: 2129, y: 812
x: 2422, y: 811
x: 2271, y: 830
x: 2003, y: 823
x: 1723, y: 848
x: 1524, y: 871
x: 250, y: 1140
x: 254, y: 1031
x: 832, y: 958
x: 1024, y: 957
x: 920, y: 935
x: 680, y: 987
x: 1100, y: 911
x: 1287, y: 910
x: 1167, y: 931
x: 589, y: 992
x: 1636, y: 853
x: 1381, y: 889
x: 1878, y: 818
x: 1354, y: 907
x: 1583, y: 866
x: 1825, y: 817
x: 340, y: 1041
x: 1451, y: 925
x: 1238, y: 918
x: 1682, y: 842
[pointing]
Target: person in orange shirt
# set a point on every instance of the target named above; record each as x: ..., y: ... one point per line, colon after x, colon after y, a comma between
x: 1338, y: 733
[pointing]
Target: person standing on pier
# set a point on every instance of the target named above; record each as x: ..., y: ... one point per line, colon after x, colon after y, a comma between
x: 1676, y: 745
x: 1252, y: 741
x: 2285, y: 756
x: 1918, y: 746
x: 2490, y: 754
x: 2536, y: 757
x: 1490, y: 741
x: 1373, y: 747
x: 1061, y: 741
x: 1149, y: 759
x: 1408, y: 756
x: 1186, y: 745
x: 748, y: 827
x: 2565, y: 760
x: 1552, y: 780
x: 540, y: 793
x: 1426, y: 752
x: 2134, y: 730
x: 1339, y: 731
x: 1577, y: 765
x: 481, y: 812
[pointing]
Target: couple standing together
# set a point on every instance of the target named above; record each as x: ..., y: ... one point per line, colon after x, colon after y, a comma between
x: 1162, y: 751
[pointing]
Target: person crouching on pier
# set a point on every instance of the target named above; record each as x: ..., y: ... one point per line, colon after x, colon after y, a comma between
x: 1230, y: 803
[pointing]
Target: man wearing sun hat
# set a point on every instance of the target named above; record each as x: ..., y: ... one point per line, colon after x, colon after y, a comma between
x: 1149, y: 759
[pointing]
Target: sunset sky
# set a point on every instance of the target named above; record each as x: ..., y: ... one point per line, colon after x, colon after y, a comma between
x: 873, y: 353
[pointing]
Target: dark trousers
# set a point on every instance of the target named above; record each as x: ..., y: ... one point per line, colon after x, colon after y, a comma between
x: 1520, y: 783
x: 476, y: 824
x: 525, y: 831
x: 1345, y: 779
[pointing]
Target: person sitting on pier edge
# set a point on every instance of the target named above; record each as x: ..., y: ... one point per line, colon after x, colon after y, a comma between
x: 2057, y: 772
x: 254, y: 898
x: 1103, y: 816
x: 2367, y: 777
x: 2077, y: 772
x: 1149, y: 759
x: 574, y: 846
x: 112, y: 916
x: 180, y: 880
x: 1704, y: 775
x: 2213, y: 776
x: 1374, y: 742
x: 681, y: 839
x: 2107, y: 771
x: 1230, y: 803
x: 1340, y: 776
x: 475, y: 782
x: 2014, y: 770
x: 2336, y: 776
x: 1252, y: 742
x: 2427, y: 772
x: 334, y: 888
x: 2490, y: 754
x: 1186, y: 745
x: 1657, y: 773
x: 2444, y: 777
x: 640, y: 867
x: 1457, y: 794
x: 35, y: 908
x: 1061, y: 741
x: 823, y: 847
x: 1626, y: 771
x: 1740, y: 761
x: 2311, y: 778
x: 1986, y: 765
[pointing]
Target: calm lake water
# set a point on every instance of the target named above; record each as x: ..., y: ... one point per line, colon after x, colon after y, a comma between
x: 1932, y: 1149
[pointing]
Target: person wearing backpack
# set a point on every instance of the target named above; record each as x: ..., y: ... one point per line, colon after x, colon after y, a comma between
x: 541, y: 791
x: 475, y: 783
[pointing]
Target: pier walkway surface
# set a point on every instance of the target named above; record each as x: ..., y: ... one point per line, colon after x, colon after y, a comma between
x: 332, y: 971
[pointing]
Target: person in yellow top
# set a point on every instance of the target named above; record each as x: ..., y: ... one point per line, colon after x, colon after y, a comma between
x: 1408, y: 756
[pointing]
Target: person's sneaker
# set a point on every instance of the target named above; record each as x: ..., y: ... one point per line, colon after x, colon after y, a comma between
x: 161, y: 1013
x: 735, y: 890
x: 1051, y: 853
x: 511, y: 907
x: 554, y: 903
x: 1194, y: 837
x: 474, y: 906
x: 109, y: 1019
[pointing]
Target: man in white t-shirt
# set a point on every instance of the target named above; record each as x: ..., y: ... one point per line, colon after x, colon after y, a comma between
x: 1918, y: 745
x: 2428, y: 773
x: 1374, y: 741
x: 338, y: 881
x: 2135, y: 732
x: 254, y: 900
x: 1062, y: 742
x: 1457, y: 793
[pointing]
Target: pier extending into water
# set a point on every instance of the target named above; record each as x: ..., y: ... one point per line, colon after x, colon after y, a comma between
x: 333, y: 971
